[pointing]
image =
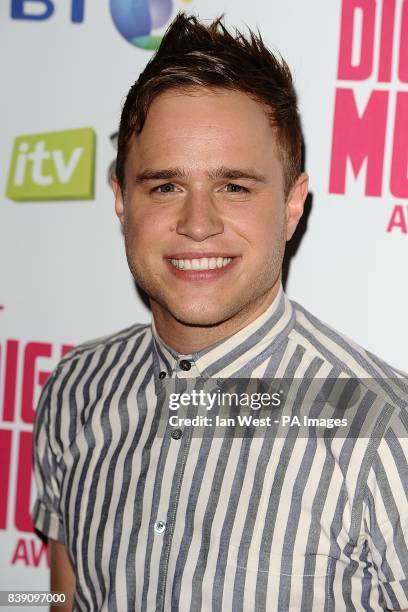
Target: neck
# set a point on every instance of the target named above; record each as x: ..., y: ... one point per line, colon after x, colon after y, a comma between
x: 188, y: 339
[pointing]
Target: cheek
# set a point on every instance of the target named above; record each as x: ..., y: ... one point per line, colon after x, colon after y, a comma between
x: 262, y: 228
x: 146, y: 227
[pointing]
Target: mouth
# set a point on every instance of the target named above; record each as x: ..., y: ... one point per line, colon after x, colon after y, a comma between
x: 201, y: 268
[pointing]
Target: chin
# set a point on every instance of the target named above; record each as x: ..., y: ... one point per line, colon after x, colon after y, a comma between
x: 199, y: 316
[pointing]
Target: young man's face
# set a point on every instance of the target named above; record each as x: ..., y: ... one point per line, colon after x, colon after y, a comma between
x: 204, y: 188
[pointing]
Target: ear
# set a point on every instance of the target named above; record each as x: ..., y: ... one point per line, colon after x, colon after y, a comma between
x: 119, y: 199
x: 295, y: 203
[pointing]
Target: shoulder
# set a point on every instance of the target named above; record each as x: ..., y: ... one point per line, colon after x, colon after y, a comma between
x: 336, y: 349
x: 377, y: 403
x: 84, y: 377
x: 125, y: 337
x: 381, y: 390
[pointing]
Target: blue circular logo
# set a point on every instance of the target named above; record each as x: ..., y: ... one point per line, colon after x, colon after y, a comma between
x: 135, y: 20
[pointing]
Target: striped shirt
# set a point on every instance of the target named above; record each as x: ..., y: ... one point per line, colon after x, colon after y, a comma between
x: 221, y: 523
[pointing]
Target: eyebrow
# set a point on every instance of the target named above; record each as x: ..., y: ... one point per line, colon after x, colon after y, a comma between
x: 236, y: 173
x: 222, y: 172
x: 166, y: 174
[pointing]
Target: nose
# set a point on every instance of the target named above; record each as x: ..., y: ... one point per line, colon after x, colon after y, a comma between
x: 199, y: 218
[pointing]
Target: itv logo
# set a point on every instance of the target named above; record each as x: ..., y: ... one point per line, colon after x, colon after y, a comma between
x: 53, y: 166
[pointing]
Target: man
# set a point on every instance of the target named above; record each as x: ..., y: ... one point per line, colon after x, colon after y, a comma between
x: 142, y: 515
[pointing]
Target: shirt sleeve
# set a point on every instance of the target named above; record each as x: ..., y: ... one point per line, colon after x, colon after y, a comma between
x: 386, y: 516
x: 46, y: 514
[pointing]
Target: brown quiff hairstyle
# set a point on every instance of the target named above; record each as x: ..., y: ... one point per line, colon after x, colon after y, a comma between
x: 193, y: 55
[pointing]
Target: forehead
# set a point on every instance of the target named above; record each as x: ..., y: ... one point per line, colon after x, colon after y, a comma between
x: 206, y: 105
x: 200, y: 124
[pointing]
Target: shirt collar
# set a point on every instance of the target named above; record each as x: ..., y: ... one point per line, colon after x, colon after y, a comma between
x: 233, y: 356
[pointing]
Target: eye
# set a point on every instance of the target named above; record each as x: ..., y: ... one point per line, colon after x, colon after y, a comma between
x: 166, y: 188
x: 234, y: 188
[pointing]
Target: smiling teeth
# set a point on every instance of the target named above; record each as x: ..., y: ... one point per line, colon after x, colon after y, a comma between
x: 204, y: 263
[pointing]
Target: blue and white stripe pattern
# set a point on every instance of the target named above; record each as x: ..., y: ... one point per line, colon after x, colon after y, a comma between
x: 182, y: 523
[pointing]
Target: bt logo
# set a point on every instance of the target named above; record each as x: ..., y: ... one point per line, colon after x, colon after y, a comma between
x: 134, y: 19
x: 53, y: 166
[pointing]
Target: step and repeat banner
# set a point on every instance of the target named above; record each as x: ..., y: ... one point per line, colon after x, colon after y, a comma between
x: 66, y: 67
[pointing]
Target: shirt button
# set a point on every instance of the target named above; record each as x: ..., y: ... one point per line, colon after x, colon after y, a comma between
x: 185, y: 365
x: 162, y: 375
x: 176, y: 434
x: 159, y: 526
